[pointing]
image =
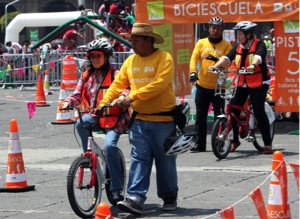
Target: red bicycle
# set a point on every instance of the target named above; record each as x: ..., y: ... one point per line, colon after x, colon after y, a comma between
x: 89, y: 175
x: 222, y: 134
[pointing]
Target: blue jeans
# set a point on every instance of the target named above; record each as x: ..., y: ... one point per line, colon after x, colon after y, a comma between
x: 147, y: 140
x: 110, y: 146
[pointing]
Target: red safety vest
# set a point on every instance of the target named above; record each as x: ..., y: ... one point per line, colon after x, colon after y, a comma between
x: 252, y: 80
x: 102, y: 90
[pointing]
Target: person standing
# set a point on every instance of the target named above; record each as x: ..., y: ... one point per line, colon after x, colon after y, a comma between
x: 250, y: 54
x: 207, y: 51
x: 90, y: 90
x: 149, y: 74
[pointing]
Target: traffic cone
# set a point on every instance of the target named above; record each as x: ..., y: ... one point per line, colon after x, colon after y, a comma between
x: 15, y: 172
x: 103, y: 211
x: 62, y: 116
x: 47, y: 90
x: 40, y: 98
x: 278, y: 206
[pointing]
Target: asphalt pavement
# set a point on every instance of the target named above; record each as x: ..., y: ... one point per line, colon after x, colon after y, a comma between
x: 206, y: 185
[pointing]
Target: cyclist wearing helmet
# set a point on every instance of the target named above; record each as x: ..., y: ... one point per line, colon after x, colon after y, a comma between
x: 90, y: 90
x: 207, y: 51
x: 251, y: 54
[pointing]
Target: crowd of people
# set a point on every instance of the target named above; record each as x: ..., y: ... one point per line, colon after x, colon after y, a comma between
x: 115, y: 17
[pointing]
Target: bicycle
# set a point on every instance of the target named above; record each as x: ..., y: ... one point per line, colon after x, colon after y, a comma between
x: 222, y: 134
x: 88, y: 173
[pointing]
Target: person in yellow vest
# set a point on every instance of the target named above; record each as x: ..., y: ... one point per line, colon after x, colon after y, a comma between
x: 90, y: 90
x: 250, y: 54
x: 207, y: 51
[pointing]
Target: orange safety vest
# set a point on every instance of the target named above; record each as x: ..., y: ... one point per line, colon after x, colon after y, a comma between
x: 252, y: 80
x: 107, y: 81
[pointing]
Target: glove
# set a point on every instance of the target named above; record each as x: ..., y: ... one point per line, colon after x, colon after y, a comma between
x: 212, y: 58
x: 193, y: 77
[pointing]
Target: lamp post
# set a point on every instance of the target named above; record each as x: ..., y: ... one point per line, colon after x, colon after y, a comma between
x: 6, y: 6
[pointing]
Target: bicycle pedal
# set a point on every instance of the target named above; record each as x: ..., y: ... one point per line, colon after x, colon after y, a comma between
x: 249, y: 139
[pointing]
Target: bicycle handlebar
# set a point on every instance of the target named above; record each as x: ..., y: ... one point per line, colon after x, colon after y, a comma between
x: 224, y: 71
x: 99, y: 114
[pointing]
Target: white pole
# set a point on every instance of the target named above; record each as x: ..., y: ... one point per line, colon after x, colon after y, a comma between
x: 6, y: 6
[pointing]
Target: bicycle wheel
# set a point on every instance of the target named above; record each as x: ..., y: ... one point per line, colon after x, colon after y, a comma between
x: 258, y: 140
x: 219, y: 140
x: 107, y: 185
x: 83, y: 197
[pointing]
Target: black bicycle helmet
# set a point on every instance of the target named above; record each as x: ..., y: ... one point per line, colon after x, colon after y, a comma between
x: 245, y: 26
x: 216, y: 21
x: 99, y: 45
x: 179, y: 144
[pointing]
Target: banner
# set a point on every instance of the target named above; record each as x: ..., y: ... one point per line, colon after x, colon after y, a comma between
x: 179, y: 42
x: 193, y: 11
x: 287, y: 66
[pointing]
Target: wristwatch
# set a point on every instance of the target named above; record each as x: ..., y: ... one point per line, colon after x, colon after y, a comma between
x: 254, y: 65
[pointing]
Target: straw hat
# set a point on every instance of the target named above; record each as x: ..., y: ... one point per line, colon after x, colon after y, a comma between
x: 143, y: 29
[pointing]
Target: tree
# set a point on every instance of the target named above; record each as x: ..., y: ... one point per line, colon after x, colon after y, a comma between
x: 10, y: 17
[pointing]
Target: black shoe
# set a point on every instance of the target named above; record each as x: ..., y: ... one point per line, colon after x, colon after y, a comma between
x: 170, y: 203
x: 197, y: 149
x: 130, y: 206
x: 116, y: 196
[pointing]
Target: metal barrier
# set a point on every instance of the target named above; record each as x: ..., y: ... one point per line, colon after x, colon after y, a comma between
x: 23, y: 69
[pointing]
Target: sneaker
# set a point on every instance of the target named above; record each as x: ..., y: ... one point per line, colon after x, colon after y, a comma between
x: 170, y: 204
x: 130, y: 206
x: 116, y: 196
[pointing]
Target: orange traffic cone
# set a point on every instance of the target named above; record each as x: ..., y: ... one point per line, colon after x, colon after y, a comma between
x: 278, y: 206
x: 15, y: 172
x: 62, y: 116
x: 103, y: 211
x: 47, y: 90
x: 40, y: 98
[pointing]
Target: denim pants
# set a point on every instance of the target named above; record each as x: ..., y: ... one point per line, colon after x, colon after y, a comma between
x: 147, y: 140
x: 110, y: 146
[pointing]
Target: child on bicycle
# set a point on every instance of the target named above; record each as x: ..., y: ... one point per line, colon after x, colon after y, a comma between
x: 90, y: 90
x: 250, y: 54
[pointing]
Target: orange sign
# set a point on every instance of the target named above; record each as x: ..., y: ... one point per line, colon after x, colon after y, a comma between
x: 194, y: 11
x: 287, y: 66
x: 179, y: 42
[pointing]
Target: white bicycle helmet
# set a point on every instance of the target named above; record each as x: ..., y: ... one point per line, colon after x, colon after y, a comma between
x: 216, y: 21
x: 245, y: 26
x: 179, y: 144
x: 99, y: 45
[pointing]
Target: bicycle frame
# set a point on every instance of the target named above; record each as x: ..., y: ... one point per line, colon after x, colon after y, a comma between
x: 243, y: 124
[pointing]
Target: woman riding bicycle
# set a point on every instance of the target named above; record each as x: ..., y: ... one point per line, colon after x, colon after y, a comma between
x: 90, y: 91
x: 250, y: 54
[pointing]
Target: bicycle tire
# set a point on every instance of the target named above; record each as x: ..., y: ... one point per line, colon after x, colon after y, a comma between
x: 83, y: 200
x: 219, y: 141
x: 258, y: 141
x: 107, y: 176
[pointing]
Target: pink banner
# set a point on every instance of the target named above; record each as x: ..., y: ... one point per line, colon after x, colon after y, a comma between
x: 31, y: 109
x: 21, y: 72
x: 51, y: 65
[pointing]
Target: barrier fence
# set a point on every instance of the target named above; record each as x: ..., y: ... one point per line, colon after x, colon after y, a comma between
x: 23, y: 69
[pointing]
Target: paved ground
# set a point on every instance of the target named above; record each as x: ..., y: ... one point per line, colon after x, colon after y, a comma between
x: 207, y: 185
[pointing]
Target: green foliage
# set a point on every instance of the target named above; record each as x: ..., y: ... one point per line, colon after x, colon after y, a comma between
x: 10, y: 17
